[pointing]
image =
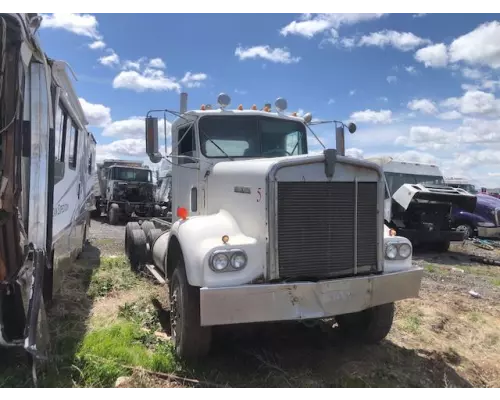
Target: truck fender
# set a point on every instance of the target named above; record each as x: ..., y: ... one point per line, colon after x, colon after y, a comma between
x: 198, y: 236
x: 467, y: 217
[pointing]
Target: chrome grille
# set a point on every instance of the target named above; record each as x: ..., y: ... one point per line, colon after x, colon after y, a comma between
x: 317, y: 224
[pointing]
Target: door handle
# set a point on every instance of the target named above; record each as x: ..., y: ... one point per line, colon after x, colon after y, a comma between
x: 78, y: 193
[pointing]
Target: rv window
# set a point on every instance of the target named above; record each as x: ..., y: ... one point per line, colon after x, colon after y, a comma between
x: 90, y: 165
x: 60, y: 133
x: 73, y: 146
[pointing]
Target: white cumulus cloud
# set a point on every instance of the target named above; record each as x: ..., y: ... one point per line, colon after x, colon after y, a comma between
x: 433, y: 56
x: 79, y: 24
x: 425, y: 106
x: 148, y: 80
x: 370, y: 116
x: 276, y: 55
x: 97, y: 45
x: 195, y: 80
x: 404, y: 41
x: 110, y: 60
x: 97, y: 114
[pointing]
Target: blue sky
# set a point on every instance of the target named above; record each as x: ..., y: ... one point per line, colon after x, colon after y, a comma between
x: 420, y: 87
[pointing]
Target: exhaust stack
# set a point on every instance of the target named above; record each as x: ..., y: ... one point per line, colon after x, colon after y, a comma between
x: 184, y: 103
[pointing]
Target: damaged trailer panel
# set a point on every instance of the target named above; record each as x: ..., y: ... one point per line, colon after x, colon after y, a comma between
x: 46, y: 167
x: 434, y: 194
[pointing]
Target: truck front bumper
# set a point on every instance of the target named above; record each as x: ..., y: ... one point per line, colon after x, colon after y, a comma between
x: 488, y: 232
x: 305, y: 300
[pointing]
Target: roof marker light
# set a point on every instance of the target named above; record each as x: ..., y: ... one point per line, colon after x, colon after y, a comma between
x: 240, y: 107
x: 254, y: 107
x: 202, y: 108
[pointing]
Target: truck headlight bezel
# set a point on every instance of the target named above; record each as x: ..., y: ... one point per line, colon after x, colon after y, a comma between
x: 399, y: 254
x: 230, y: 255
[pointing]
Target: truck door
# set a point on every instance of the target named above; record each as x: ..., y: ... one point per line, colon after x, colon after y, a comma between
x: 185, y: 190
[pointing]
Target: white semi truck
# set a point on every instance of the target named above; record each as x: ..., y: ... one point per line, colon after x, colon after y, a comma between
x: 262, y: 231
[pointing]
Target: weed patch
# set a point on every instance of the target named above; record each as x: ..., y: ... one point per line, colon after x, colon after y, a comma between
x: 114, y: 274
x: 106, y: 353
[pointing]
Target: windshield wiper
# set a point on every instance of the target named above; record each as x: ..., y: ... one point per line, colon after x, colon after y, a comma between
x: 216, y: 145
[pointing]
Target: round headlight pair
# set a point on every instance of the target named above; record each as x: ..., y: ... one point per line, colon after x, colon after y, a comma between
x: 222, y: 260
x: 392, y: 251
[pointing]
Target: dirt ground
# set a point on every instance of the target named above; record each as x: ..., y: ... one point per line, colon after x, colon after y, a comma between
x: 110, y: 324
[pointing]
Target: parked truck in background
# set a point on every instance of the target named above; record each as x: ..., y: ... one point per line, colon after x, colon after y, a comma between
x: 262, y: 231
x: 418, y: 204
x: 484, y: 220
x: 125, y: 190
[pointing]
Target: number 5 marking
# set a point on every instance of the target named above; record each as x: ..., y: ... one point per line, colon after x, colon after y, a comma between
x: 259, y: 195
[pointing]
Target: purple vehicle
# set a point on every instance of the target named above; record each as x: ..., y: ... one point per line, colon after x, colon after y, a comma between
x: 485, y: 220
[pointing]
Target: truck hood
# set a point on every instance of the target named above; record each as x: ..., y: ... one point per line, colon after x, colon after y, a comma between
x: 439, y: 194
x: 488, y: 200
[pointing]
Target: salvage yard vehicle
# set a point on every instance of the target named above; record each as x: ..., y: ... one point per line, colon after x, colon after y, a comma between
x: 163, y: 195
x: 126, y: 190
x: 484, y: 221
x: 262, y: 231
x: 418, y: 204
x: 47, y: 167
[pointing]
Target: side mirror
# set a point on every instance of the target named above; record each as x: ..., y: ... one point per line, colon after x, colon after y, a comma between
x: 351, y: 127
x: 152, y: 140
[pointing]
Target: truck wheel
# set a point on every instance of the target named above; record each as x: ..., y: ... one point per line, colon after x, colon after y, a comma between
x: 137, y: 249
x: 442, y: 246
x: 191, y: 341
x: 467, y: 229
x: 113, y: 215
x: 152, y: 236
x: 131, y: 226
x: 147, y: 226
x: 369, y: 326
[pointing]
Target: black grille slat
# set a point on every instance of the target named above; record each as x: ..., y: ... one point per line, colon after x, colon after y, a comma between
x: 316, y: 228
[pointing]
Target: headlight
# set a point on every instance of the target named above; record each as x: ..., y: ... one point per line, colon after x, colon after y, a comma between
x: 238, y: 260
x: 219, y: 261
x: 391, y: 251
x: 228, y: 260
x: 404, y: 250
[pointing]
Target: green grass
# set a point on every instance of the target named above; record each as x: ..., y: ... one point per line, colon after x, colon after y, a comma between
x: 106, y: 353
x: 434, y: 269
x: 496, y: 282
x: 412, y: 323
x: 114, y: 274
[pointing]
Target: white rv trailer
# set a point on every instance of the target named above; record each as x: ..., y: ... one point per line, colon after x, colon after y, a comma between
x: 262, y: 231
x: 47, y: 168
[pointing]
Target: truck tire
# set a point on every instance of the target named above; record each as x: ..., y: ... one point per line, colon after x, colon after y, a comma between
x: 442, y: 246
x: 137, y: 249
x: 113, y: 214
x: 467, y: 229
x: 131, y: 226
x: 147, y: 226
x: 369, y: 326
x: 190, y: 339
x: 152, y: 236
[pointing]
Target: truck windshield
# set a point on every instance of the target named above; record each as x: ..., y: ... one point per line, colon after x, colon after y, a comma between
x: 465, y: 186
x: 131, y: 174
x: 249, y: 136
x: 396, y: 180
